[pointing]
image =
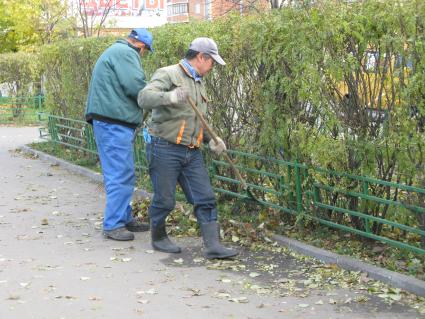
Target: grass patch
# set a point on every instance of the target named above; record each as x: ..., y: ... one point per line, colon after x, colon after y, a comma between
x: 74, y: 156
x: 19, y: 116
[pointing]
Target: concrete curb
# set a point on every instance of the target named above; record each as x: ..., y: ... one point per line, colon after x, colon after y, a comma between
x: 392, y: 278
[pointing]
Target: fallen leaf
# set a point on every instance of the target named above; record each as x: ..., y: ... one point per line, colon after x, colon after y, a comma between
x: 65, y: 297
x: 94, y: 298
x: 239, y: 300
x: 195, y: 292
x: 362, y: 298
x: 395, y: 297
x: 222, y: 295
x: 198, y: 260
x: 13, y: 297
x: 178, y: 261
x: 364, y: 277
x: 151, y: 291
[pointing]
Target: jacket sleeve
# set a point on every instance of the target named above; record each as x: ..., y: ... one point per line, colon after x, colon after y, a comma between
x: 130, y: 75
x: 157, y: 92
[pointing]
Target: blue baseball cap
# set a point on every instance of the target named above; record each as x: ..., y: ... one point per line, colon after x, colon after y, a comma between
x: 142, y: 35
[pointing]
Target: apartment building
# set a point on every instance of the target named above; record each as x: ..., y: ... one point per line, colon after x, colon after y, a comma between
x: 184, y: 10
x: 120, y: 16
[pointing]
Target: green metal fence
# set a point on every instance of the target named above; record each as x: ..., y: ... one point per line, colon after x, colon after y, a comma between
x: 20, y: 109
x: 372, y: 208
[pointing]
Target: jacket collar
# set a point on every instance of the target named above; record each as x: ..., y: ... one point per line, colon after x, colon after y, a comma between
x: 123, y: 41
x: 189, y: 70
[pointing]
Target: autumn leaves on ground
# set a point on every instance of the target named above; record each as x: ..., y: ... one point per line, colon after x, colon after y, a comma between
x: 54, y: 262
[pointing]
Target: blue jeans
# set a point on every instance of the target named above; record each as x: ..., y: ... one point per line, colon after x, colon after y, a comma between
x: 170, y: 164
x: 116, y: 157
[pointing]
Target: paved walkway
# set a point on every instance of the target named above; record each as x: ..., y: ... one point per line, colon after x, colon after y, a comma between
x: 54, y: 262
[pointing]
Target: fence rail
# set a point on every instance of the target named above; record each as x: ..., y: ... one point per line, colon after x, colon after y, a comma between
x: 20, y: 109
x: 372, y: 208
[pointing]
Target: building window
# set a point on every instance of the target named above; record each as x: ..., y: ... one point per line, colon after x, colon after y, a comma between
x: 198, y: 8
x: 177, y: 8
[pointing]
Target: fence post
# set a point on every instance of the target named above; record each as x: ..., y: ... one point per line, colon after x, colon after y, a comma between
x: 365, y: 188
x: 298, y: 187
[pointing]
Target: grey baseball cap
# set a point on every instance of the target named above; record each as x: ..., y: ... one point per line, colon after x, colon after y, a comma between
x: 208, y: 46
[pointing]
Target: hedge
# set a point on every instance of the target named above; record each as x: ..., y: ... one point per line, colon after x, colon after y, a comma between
x: 338, y: 85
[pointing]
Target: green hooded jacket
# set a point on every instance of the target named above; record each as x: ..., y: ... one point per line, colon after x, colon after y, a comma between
x: 116, y: 80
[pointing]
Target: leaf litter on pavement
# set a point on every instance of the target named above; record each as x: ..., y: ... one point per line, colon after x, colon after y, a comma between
x: 274, y: 270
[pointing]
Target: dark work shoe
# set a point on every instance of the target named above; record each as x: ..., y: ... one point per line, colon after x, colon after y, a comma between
x: 137, y: 226
x: 121, y: 234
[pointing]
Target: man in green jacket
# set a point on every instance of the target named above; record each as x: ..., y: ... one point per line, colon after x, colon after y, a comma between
x: 113, y: 111
x: 174, y: 139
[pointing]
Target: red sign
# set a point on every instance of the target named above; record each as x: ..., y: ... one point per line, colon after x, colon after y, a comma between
x: 121, y: 7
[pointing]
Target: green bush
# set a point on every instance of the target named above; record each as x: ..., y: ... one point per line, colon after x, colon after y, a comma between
x: 298, y: 85
x: 21, y: 73
x: 67, y: 67
x: 280, y: 93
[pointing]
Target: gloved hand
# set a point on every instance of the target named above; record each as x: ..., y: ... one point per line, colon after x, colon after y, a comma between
x: 179, y: 95
x: 218, y: 147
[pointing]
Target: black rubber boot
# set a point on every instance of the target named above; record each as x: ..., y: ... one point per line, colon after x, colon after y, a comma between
x: 160, y: 240
x: 212, y: 246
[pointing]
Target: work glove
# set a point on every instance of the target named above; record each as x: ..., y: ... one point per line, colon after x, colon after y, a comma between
x: 218, y: 147
x: 179, y: 95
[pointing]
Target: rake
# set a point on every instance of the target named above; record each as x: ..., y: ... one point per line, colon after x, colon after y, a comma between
x: 226, y: 156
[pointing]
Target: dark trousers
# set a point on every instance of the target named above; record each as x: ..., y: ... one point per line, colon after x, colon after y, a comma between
x: 170, y: 164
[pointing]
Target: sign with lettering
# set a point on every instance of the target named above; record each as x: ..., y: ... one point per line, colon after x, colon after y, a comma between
x: 122, y: 7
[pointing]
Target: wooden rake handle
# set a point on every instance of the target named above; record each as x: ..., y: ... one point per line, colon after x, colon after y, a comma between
x: 215, y: 138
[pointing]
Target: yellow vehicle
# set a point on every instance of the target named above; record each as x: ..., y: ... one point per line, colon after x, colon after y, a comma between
x: 375, y: 85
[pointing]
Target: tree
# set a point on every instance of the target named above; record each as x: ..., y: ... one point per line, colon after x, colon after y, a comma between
x: 32, y: 22
x: 16, y: 23
x: 6, y: 30
x: 53, y: 20
x: 93, y: 16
